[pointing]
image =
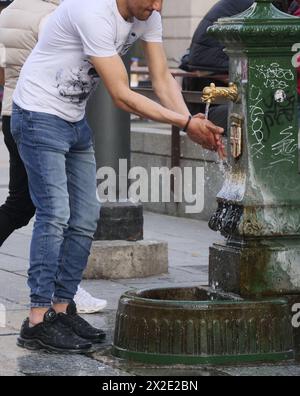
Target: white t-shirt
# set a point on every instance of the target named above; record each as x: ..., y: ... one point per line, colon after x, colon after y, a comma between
x: 58, y: 77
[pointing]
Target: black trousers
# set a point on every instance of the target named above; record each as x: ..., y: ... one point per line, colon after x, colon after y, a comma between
x: 18, y: 209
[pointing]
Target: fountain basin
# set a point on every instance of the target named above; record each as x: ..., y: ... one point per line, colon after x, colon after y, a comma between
x: 200, y: 325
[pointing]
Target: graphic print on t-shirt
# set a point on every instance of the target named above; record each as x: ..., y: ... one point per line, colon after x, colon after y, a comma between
x: 76, y: 84
x: 131, y: 39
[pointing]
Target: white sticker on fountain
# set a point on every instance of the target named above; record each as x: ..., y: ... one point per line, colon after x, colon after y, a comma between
x: 280, y: 96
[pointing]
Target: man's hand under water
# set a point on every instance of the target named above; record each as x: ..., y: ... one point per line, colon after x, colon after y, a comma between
x: 207, y: 134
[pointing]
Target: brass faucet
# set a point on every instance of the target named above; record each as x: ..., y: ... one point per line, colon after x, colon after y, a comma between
x: 212, y: 93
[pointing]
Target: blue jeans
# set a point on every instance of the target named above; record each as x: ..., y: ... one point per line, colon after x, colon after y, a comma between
x: 60, y: 163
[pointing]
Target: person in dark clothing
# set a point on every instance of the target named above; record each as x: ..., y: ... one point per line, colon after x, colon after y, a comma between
x: 18, y: 209
x: 3, y: 4
x: 206, y: 53
x: 293, y: 7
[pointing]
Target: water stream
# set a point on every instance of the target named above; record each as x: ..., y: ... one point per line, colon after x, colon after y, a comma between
x: 207, y: 110
x: 224, y: 166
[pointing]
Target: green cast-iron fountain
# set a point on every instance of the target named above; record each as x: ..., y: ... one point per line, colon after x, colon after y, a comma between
x: 245, y: 315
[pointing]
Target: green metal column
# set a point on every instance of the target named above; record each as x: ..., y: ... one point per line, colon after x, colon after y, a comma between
x: 259, y: 205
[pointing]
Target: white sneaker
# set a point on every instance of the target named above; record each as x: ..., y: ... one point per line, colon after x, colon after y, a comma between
x: 87, y: 304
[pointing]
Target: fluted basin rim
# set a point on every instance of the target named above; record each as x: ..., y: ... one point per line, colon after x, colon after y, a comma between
x: 137, y: 296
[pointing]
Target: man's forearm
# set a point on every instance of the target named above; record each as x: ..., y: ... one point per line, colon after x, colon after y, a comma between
x: 114, y: 75
x: 140, y: 105
x: 170, y: 95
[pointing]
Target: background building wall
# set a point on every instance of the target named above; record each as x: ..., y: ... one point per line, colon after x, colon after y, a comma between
x: 180, y: 18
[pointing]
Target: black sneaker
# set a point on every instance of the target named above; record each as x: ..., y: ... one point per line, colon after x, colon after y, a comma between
x: 51, y: 336
x: 80, y: 326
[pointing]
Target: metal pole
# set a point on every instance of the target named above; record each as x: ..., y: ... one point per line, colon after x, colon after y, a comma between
x: 122, y: 220
x: 111, y: 127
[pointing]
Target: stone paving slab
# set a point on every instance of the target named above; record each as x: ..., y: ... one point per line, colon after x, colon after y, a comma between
x: 163, y: 225
x: 289, y: 369
x: 17, y: 246
x: 12, y: 305
x: 19, y: 362
x: 3, y: 177
x: 74, y: 366
x: 195, y: 257
x: 13, y: 287
x: 9, y: 356
x: 186, y: 279
x: 13, y: 264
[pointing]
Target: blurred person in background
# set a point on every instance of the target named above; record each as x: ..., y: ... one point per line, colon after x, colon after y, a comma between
x: 207, y: 54
x: 293, y: 7
x: 3, y: 4
x: 18, y: 40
